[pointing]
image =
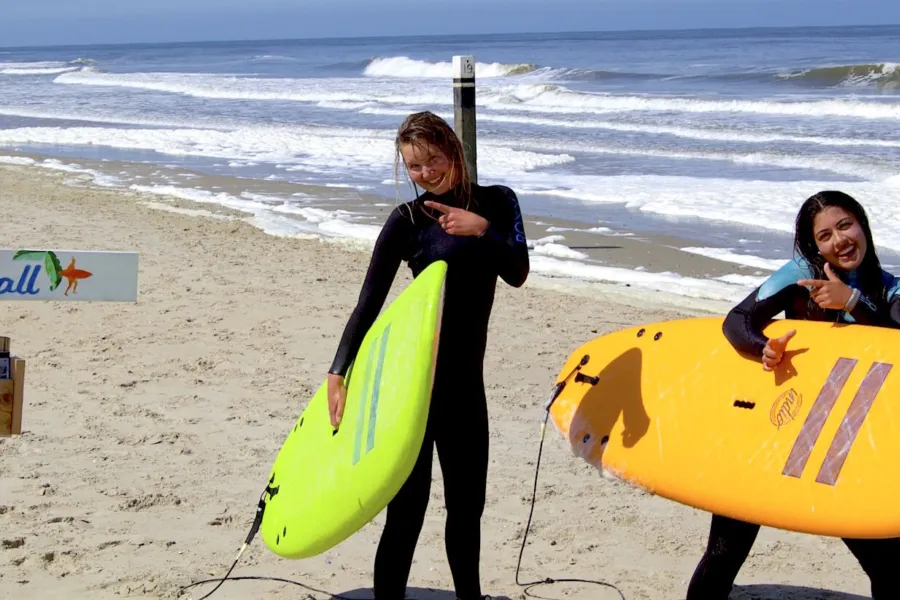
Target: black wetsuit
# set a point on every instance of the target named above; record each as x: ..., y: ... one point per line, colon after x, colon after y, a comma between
x: 730, y: 540
x: 458, y: 418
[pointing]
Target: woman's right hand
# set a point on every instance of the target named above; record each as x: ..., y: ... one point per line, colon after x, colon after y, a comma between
x: 774, y: 350
x: 337, y: 397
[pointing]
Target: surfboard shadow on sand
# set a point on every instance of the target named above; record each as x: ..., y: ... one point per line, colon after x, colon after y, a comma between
x: 616, y: 393
x: 412, y: 593
x: 788, y: 592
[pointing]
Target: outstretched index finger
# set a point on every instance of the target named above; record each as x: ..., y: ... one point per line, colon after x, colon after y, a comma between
x: 438, y: 206
x: 816, y: 283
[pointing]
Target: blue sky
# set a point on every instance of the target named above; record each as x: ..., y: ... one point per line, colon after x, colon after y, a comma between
x: 51, y: 22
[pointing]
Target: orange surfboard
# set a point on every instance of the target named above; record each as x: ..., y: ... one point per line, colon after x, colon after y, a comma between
x: 813, y: 446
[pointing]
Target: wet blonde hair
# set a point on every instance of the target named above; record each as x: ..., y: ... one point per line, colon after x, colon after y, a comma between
x: 423, y: 128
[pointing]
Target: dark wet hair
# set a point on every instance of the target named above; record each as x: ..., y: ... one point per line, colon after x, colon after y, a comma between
x: 869, y: 272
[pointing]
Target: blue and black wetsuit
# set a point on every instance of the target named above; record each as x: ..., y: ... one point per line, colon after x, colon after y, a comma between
x: 730, y: 540
x: 458, y: 418
x: 780, y: 292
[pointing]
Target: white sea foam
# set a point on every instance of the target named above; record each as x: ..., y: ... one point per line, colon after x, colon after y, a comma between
x: 36, y: 68
x: 225, y: 87
x: 866, y: 169
x: 36, y: 71
x: 551, y: 246
x: 17, y: 160
x: 728, y: 255
x: 529, y: 97
x: 325, y: 150
x: 717, y: 134
x: 712, y: 133
x: 87, y: 175
x: 285, y: 217
x: 269, y: 213
x: 770, y: 205
x: 403, y: 66
x: 551, y: 98
x: 744, y: 281
x: 187, y: 211
x: 600, y: 230
x: 666, y: 281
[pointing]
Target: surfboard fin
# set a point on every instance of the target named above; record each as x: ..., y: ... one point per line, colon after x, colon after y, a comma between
x: 582, y: 378
x: 257, y: 520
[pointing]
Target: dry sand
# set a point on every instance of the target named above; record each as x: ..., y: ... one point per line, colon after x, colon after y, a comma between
x: 150, y: 427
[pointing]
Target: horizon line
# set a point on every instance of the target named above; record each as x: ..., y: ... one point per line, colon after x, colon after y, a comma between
x: 443, y: 35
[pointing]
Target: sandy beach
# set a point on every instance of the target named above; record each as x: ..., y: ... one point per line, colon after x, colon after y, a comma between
x: 149, y: 428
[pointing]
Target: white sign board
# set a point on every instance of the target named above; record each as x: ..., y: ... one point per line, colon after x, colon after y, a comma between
x: 32, y: 274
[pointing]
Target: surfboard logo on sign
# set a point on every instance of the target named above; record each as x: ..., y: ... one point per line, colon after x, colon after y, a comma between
x: 370, y: 400
x: 786, y: 408
x: 852, y: 422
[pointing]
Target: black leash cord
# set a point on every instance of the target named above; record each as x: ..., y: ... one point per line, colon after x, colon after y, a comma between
x: 527, y: 585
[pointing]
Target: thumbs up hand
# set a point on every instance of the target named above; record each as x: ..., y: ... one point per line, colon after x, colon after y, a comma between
x: 774, y: 350
x: 828, y: 293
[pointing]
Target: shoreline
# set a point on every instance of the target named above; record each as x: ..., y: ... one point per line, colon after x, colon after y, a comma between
x: 150, y: 428
x: 568, y: 255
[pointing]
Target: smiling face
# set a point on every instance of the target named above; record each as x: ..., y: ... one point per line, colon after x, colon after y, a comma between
x: 840, y: 238
x: 432, y: 154
x: 429, y: 167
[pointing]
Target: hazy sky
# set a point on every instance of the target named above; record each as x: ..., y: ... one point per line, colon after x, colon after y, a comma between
x: 50, y: 22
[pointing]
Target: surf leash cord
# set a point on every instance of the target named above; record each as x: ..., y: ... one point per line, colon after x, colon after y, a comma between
x: 528, y: 585
x: 254, y: 528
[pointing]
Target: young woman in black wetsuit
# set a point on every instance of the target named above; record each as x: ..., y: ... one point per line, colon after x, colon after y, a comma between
x: 837, y: 276
x: 479, y: 232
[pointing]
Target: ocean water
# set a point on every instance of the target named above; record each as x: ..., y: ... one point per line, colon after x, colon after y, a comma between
x: 712, y: 136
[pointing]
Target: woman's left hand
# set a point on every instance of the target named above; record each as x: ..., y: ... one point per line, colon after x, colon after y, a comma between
x: 458, y: 221
x: 831, y: 293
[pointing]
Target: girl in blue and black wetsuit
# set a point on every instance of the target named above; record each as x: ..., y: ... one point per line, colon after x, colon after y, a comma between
x: 836, y: 277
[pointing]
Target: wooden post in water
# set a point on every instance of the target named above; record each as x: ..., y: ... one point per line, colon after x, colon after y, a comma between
x: 464, y: 110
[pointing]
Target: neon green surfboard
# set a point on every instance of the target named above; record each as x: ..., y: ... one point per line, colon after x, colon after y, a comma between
x: 326, y: 485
